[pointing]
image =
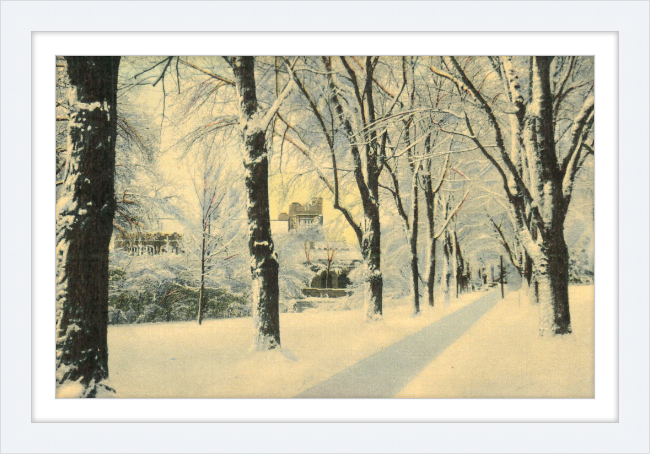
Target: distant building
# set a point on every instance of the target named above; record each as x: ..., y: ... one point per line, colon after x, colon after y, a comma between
x: 304, y: 216
x: 149, y: 243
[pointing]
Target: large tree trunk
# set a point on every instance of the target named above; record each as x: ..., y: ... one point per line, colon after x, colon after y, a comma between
x: 84, y: 226
x: 552, y: 276
x: 374, y: 295
x: 264, y: 263
x: 371, y: 251
x: 550, y: 256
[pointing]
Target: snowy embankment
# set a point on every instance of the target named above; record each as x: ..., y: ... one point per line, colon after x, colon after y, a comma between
x: 502, y: 356
x: 183, y: 359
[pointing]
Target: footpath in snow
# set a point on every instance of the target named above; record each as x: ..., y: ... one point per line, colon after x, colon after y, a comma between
x: 502, y: 355
x: 386, y: 372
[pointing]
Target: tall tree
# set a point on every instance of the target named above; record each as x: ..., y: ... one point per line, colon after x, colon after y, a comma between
x: 367, y: 182
x: 264, y: 264
x: 539, y: 167
x: 435, y: 199
x: 85, y: 211
x: 216, y: 228
x: 209, y: 201
x: 431, y: 193
x: 410, y: 220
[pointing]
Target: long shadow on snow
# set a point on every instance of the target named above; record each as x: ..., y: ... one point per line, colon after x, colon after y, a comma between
x: 386, y: 372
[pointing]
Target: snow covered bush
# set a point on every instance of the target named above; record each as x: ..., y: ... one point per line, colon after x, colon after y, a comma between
x: 131, y: 316
x: 182, y: 313
x: 116, y: 316
x: 145, y: 289
x: 581, y: 267
x: 295, y: 273
x: 152, y: 313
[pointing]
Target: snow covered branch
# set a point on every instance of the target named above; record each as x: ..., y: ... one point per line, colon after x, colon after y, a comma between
x: 451, y: 216
x: 270, y: 113
x: 579, y: 132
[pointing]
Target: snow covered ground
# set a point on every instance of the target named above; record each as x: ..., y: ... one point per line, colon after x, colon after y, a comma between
x: 182, y: 359
x: 500, y: 356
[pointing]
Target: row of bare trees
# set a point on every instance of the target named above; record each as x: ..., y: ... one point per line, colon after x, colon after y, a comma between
x: 362, y: 112
x: 537, y: 140
x: 530, y: 118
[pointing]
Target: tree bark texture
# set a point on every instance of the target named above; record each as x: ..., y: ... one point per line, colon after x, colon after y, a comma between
x: 264, y: 263
x: 550, y: 254
x: 371, y: 252
x: 84, y: 226
x: 552, y: 289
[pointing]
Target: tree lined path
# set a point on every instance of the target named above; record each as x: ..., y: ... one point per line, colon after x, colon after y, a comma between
x: 386, y: 372
x: 489, y: 148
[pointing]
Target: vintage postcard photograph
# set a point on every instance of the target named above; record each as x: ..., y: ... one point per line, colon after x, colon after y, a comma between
x: 325, y: 226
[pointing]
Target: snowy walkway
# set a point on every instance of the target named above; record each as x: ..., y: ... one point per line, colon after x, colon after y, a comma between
x: 386, y: 372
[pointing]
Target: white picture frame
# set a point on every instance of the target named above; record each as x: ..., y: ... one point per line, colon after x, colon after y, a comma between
x: 27, y: 284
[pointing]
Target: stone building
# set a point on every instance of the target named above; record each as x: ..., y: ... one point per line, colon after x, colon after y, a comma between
x: 304, y: 216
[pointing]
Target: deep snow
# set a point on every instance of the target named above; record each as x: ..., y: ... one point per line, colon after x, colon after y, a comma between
x: 183, y: 359
x: 500, y: 356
